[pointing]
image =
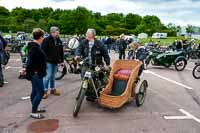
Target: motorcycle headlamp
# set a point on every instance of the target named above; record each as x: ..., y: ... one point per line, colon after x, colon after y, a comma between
x: 81, y: 63
x: 97, y: 69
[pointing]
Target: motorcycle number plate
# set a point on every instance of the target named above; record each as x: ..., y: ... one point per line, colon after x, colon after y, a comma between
x: 88, y: 74
x: 97, y: 68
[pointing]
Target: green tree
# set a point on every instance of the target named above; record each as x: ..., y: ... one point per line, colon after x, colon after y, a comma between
x: 45, y: 12
x: 52, y: 22
x: 132, y: 21
x: 82, y: 18
x: 79, y: 19
x: 117, y: 20
x: 36, y: 15
x: 109, y: 30
x: 29, y: 24
x: 173, y: 29
x: 190, y: 29
x: 150, y: 24
x: 20, y: 14
x: 42, y: 24
x: 4, y: 12
x: 4, y: 19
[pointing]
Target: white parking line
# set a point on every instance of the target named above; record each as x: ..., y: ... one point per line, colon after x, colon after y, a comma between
x: 176, y: 117
x: 10, y: 67
x: 190, y: 115
x: 25, y: 98
x: 190, y: 69
x: 169, y: 80
x: 18, y: 59
x: 15, y: 60
x: 187, y: 116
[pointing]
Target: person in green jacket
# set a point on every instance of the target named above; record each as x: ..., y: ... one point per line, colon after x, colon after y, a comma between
x: 24, y: 53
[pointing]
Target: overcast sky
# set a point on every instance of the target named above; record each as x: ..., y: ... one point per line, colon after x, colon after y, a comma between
x: 180, y: 12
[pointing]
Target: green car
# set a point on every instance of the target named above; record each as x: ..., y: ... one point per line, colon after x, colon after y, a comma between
x: 167, y: 59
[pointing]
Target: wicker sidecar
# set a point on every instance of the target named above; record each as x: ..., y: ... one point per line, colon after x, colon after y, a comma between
x: 134, y: 87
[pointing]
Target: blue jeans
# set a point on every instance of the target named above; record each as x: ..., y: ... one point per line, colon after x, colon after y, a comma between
x: 50, y: 77
x: 131, y: 55
x: 37, y: 92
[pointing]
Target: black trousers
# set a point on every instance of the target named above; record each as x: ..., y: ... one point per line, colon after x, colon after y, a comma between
x: 122, y: 54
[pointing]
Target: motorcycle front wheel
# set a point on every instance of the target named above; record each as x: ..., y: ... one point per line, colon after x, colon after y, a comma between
x: 196, y: 72
x: 180, y: 64
x: 79, y: 101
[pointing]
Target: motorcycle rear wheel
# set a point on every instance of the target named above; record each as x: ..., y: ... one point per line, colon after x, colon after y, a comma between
x: 61, y: 73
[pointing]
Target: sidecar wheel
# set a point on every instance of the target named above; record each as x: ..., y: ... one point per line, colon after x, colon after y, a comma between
x: 180, y: 64
x: 141, y: 94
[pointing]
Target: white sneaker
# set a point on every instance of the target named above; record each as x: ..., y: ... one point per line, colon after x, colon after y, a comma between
x: 5, y: 82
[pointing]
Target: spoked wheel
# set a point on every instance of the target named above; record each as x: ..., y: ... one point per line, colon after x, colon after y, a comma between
x: 62, y: 70
x: 196, y: 72
x: 141, y: 93
x: 180, y: 64
x: 194, y: 54
x: 79, y: 101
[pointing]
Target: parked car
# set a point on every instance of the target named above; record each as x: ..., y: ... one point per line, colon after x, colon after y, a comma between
x: 159, y: 35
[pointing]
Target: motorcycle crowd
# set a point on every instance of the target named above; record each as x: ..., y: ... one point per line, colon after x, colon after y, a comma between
x: 74, y: 52
x: 176, y: 54
x: 151, y: 52
x: 18, y: 44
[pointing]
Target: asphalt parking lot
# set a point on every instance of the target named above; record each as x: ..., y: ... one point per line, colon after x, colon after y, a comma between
x: 172, y: 105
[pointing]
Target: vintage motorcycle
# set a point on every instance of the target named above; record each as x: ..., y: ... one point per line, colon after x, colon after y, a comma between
x: 93, y: 80
x: 167, y: 59
x: 70, y: 65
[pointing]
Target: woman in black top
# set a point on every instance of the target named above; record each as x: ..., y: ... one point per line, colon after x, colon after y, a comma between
x: 36, y: 70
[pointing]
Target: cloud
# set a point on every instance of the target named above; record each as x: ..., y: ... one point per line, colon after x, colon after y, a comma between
x: 61, y: 0
x: 181, y: 12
